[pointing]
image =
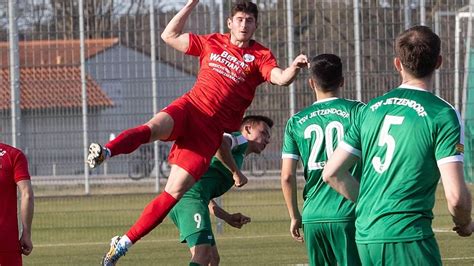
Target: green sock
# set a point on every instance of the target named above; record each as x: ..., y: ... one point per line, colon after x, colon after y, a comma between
x: 194, y: 264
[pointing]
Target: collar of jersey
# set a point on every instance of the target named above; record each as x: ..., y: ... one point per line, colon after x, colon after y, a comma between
x: 411, y: 87
x: 325, y: 100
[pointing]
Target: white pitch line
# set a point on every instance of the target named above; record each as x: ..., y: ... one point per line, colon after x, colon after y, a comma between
x: 148, y: 241
x: 443, y: 230
x: 461, y: 258
x: 436, y: 230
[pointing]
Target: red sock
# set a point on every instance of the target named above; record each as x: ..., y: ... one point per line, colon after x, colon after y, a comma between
x: 152, y: 216
x: 129, y: 140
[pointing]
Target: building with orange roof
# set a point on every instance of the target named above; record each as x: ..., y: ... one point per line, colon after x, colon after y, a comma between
x: 119, y: 89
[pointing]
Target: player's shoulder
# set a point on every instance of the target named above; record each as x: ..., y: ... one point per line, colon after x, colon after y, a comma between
x: 219, y: 37
x: 351, y: 102
x: 9, y: 149
x: 303, y: 112
x: 444, y: 110
x: 258, y: 47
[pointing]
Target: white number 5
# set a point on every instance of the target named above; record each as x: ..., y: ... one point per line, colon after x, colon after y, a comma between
x: 386, y: 139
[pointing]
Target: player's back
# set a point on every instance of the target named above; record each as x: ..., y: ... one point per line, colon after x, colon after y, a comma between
x: 312, y: 135
x: 404, y: 134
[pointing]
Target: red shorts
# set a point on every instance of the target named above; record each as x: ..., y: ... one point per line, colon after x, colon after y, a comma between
x: 197, y: 137
x: 10, y: 259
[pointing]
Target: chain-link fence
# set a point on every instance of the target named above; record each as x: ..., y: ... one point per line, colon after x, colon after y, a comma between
x: 85, y: 74
x: 79, y: 71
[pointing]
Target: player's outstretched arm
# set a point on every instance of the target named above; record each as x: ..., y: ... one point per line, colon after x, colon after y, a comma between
x: 336, y: 174
x: 288, y: 187
x: 457, y: 196
x: 236, y: 220
x: 285, y: 77
x: 224, y: 154
x: 173, y: 33
x: 26, y: 210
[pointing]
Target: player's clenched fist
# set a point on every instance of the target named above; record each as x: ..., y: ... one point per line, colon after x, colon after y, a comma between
x: 301, y: 61
x: 465, y: 230
x: 295, y: 230
x: 239, y: 179
x: 237, y: 220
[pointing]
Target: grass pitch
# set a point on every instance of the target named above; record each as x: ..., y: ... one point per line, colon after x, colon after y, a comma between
x: 75, y: 230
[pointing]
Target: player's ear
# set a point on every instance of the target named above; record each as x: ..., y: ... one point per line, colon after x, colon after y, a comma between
x: 229, y: 23
x: 312, y: 84
x: 248, y: 128
x: 439, y: 62
x: 342, y: 83
x: 398, y: 64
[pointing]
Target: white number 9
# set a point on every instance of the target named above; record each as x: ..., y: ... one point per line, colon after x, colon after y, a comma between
x: 197, y: 219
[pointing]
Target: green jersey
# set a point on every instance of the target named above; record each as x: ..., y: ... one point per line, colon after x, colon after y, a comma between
x: 401, y: 138
x: 218, y: 178
x: 312, y: 135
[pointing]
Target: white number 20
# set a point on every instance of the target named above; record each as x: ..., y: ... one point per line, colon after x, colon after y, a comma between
x: 386, y: 139
x: 197, y: 219
x: 316, y: 147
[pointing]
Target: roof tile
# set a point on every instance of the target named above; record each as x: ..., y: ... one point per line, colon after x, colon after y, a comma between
x: 52, y: 87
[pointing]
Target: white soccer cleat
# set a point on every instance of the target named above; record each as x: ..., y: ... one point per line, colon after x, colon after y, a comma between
x: 115, y: 252
x: 97, y: 155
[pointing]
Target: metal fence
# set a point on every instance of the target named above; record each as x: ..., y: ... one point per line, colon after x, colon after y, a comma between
x: 76, y: 71
x: 79, y: 71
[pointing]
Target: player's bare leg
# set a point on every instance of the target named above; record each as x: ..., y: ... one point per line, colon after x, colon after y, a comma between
x: 158, y: 128
x: 215, y: 258
x: 201, y: 254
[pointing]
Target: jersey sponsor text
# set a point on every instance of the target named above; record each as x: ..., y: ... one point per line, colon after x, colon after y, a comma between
x: 401, y: 101
x: 323, y: 112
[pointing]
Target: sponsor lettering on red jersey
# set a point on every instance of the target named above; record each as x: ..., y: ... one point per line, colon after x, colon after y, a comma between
x: 228, y: 76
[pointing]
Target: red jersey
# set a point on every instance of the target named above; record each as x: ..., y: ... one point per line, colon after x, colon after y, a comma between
x: 228, y: 76
x: 13, y: 168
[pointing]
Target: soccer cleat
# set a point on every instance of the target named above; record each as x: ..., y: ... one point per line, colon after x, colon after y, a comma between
x: 96, y: 156
x: 115, y: 252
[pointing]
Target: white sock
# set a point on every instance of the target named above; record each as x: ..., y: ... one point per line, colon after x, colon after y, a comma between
x: 125, y: 241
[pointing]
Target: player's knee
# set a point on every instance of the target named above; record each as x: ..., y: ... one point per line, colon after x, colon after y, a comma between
x: 215, y: 260
x: 202, y: 254
x: 161, y: 126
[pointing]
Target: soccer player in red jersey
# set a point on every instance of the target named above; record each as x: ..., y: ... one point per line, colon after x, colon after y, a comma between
x: 14, y: 173
x: 232, y: 66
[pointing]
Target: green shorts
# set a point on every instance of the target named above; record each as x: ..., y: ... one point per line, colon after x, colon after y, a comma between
x: 420, y: 252
x: 331, y: 243
x: 193, y: 220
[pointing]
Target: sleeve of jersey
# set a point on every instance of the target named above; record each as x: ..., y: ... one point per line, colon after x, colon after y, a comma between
x: 351, y: 142
x: 449, y: 137
x: 20, y: 168
x: 267, y: 65
x: 196, y: 44
x: 290, y: 148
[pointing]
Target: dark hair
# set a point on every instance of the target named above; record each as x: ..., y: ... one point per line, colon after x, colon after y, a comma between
x: 253, y: 119
x: 244, y: 6
x: 418, y: 49
x: 326, y: 71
